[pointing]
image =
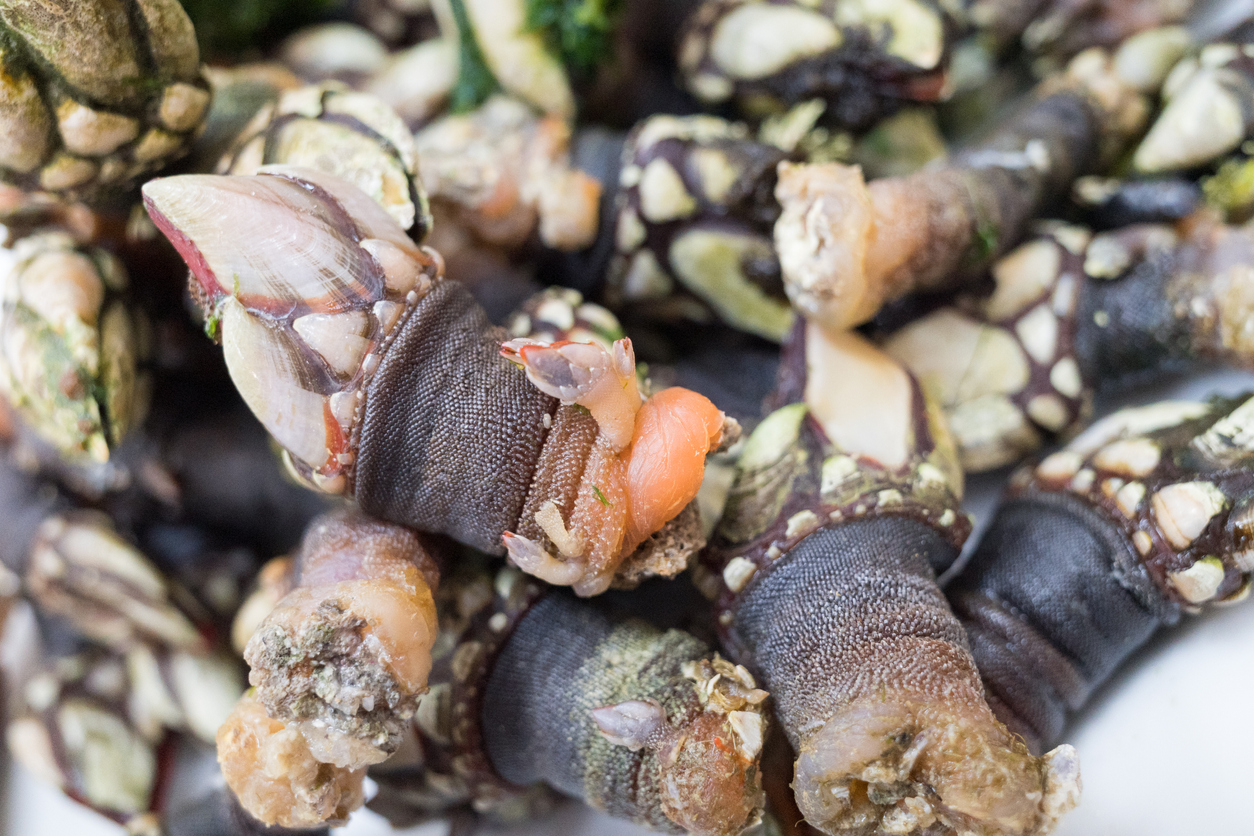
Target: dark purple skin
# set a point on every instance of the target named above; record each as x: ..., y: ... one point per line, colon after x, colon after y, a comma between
x: 1057, y: 597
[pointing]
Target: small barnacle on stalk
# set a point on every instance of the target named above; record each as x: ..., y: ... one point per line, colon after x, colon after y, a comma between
x: 534, y: 689
x: 1074, y: 313
x: 343, y: 656
x: 503, y: 173
x: 559, y: 313
x: 847, y: 246
x: 345, y: 342
x: 342, y: 132
x: 844, y: 508
x: 1160, y: 525
x: 97, y: 92
x: 70, y: 346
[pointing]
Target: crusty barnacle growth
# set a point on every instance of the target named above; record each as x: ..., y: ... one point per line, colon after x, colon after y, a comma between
x: 502, y: 173
x: 276, y: 778
x: 96, y: 93
x: 696, y: 206
x: 1073, y: 312
x: 70, y: 346
x: 343, y: 657
x: 351, y: 135
x: 1206, y: 115
x: 847, y: 246
x: 532, y: 688
x: 845, y: 505
x: 385, y: 383
x: 1143, y: 516
x: 862, y: 58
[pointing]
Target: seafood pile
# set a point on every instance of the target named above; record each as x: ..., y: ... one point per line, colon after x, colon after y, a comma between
x: 457, y: 407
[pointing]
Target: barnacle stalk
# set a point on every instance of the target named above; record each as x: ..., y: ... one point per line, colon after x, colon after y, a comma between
x: 696, y: 206
x: 503, y: 174
x: 97, y: 93
x: 1061, y: 29
x: 862, y: 58
x: 1074, y: 312
x: 843, y: 509
x: 847, y: 246
x: 533, y: 688
x: 338, y: 331
x: 1143, y: 517
x: 344, y: 655
x: 70, y: 346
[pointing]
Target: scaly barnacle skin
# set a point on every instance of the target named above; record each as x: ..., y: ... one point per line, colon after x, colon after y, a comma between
x: 136, y: 63
x: 1074, y: 312
x: 70, y: 347
x: 696, y: 206
x: 846, y: 246
x: 844, y: 507
x: 384, y: 382
x: 344, y: 655
x: 534, y: 688
x: 1144, y: 516
x: 349, y: 134
x: 862, y: 58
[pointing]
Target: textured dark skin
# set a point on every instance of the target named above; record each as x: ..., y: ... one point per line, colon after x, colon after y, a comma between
x: 813, y: 624
x: 1053, y: 601
x: 1144, y: 334
x: 452, y: 431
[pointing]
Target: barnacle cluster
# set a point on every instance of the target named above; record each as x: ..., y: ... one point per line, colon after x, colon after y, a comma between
x: 517, y: 302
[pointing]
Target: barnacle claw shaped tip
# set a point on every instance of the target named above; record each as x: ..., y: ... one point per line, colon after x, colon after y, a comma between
x: 530, y: 557
x: 586, y: 374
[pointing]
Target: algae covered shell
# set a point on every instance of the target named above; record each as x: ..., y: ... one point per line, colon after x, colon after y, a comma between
x: 95, y: 93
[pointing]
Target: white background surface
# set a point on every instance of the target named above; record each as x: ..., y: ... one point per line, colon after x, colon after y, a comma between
x: 1167, y: 748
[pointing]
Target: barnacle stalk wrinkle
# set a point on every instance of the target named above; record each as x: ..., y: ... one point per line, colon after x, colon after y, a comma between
x: 1142, y: 518
x: 338, y: 331
x: 843, y: 510
x: 533, y: 691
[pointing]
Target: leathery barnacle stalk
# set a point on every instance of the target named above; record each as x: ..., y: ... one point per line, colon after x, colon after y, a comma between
x: 533, y: 690
x: 343, y: 656
x: 847, y: 246
x: 1143, y: 517
x: 70, y: 346
x: 383, y: 382
x: 844, y: 506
